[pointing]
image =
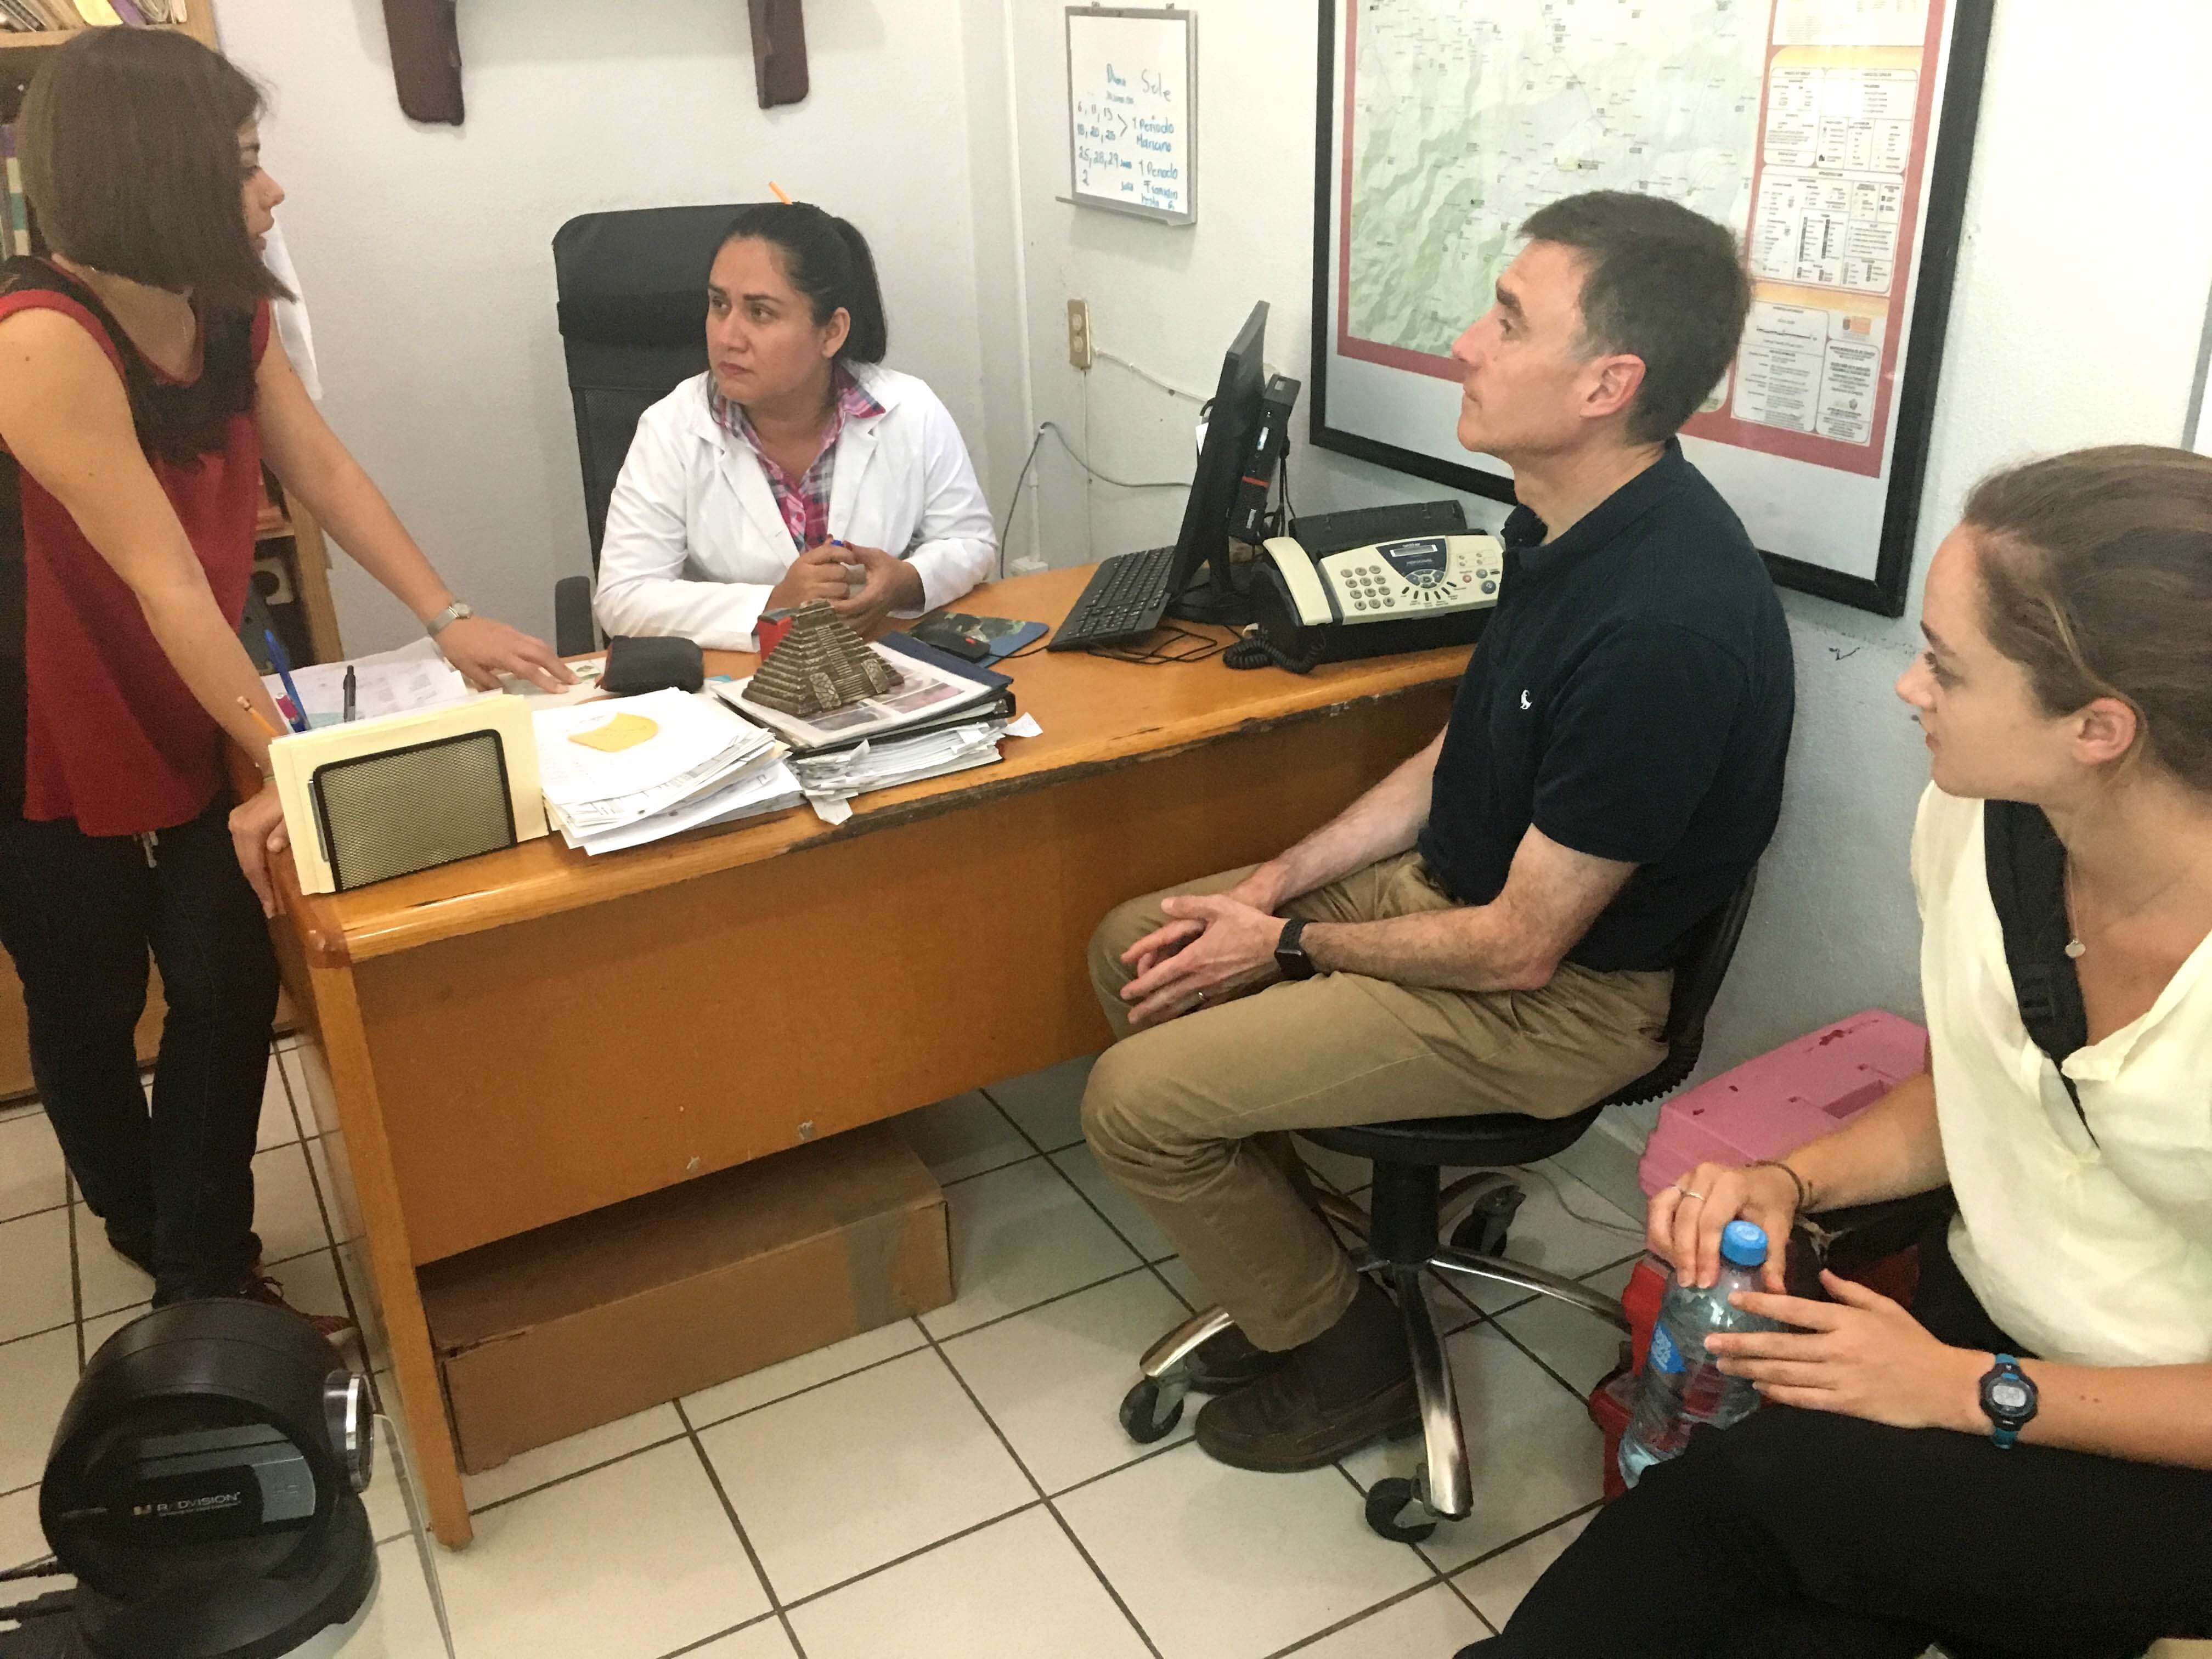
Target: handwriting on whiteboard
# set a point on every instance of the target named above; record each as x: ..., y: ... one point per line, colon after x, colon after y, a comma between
x: 1129, y: 112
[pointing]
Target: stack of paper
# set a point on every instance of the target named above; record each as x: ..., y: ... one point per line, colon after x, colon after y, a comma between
x: 623, y: 771
x: 925, y: 695
x: 832, y: 779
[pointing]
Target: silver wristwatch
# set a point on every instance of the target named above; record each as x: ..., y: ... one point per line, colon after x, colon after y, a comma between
x: 451, y: 613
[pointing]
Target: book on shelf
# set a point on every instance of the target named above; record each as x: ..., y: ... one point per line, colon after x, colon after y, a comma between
x: 16, y: 231
x: 65, y: 17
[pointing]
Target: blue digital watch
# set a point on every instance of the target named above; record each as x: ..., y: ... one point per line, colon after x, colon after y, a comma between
x: 2008, y: 1399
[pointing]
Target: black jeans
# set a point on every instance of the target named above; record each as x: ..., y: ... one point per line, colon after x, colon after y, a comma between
x: 78, y: 914
x: 1826, y: 1537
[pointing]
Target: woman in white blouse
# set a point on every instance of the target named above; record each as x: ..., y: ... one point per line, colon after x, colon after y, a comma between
x: 1927, y: 1490
x: 797, y: 467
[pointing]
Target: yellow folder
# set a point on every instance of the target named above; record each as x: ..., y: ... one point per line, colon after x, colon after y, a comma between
x: 417, y: 804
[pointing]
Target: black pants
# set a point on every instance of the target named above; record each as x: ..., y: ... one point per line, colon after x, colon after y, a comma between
x: 1817, y: 1536
x: 78, y: 914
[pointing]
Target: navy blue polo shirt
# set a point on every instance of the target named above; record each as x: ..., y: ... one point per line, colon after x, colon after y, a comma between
x: 1631, y: 698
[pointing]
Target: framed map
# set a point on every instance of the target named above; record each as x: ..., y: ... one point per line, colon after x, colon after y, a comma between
x: 1832, y: 135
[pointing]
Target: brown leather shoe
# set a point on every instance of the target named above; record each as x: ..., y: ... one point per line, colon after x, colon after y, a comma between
x: 260, y: 1287
x: 1339, y: 1391
x: 1277, y: 1426
x: 1228, y: 1360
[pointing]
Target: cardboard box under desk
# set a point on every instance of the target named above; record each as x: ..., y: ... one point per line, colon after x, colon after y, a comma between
x: 556, y: 1331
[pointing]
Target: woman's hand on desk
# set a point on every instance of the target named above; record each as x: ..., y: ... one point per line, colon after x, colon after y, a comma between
x: 891, y: 584
x: 816, y: 574
x: 482, y: 650
x: 1215, y: 947
x: 257, y: 830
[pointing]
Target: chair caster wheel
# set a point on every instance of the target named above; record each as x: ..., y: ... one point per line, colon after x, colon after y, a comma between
x: 1148, y: 1414
x: 1483, y: 1230
x: 1390, y: 1503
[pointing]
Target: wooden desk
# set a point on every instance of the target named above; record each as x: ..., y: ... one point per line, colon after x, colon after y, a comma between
x: 520, y: 1038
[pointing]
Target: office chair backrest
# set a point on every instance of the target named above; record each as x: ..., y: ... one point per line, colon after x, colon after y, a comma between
x: 1697, y: 983
x: 632, y: 309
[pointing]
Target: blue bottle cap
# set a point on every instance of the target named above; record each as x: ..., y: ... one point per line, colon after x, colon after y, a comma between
x: 1744, y: 1243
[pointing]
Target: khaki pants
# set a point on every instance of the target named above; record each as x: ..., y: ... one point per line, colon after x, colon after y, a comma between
x: 1192, y: 1116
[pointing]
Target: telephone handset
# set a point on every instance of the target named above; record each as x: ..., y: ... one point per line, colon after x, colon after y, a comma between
x: 1411, y: 593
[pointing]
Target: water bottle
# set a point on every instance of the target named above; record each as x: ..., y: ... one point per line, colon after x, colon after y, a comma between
x: 1682, y: 1389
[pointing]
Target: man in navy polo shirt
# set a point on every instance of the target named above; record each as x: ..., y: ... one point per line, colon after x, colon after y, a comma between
x: 1494, y: 925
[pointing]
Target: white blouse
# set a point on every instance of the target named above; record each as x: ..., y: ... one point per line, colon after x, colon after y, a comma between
x: 2096, y: 1252
x: 694, y: 543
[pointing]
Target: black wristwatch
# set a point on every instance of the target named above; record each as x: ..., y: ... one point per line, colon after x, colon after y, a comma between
x: 1290, y: 956
x: 2008, y: 1398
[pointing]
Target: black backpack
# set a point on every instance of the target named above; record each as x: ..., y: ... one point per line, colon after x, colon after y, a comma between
x: 2026, y: 869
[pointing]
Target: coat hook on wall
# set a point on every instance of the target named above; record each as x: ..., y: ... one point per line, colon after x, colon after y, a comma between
x: 425, y: 56
x: 780, y: 51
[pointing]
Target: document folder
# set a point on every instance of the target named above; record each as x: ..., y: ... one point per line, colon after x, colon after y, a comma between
x: 370, y: 800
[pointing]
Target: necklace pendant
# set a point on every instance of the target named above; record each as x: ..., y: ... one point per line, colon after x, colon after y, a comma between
x: 2075, y: 948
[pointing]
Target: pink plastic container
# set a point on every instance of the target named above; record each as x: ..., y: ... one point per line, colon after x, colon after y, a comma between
x: 1776, y: 1103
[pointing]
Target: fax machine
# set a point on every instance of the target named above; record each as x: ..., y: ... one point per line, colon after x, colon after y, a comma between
x: 1369, y: 583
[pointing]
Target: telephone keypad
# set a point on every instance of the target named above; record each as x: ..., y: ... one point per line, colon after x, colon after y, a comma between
x: 1369, y: 584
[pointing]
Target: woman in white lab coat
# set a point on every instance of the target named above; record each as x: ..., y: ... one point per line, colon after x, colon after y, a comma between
x: 797, y: 467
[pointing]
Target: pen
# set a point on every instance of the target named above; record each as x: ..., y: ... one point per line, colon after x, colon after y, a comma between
x: 284, y: 667
x: 349, y: 692
x: 259, y: 719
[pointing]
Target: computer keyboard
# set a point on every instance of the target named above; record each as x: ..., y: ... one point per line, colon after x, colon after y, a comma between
x: 1125, y: 597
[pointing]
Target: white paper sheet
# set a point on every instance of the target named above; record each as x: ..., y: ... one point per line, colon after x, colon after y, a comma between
x: 692, y: 733
x: 768, y: 789
x: 415, y: 677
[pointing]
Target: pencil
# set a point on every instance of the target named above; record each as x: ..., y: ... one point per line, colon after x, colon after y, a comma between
x: 779, y: 196
x: 259, y: 719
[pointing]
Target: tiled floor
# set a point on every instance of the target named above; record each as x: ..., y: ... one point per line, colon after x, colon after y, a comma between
x: 951, y: 1488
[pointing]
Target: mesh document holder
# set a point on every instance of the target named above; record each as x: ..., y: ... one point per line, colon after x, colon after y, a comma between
x: 404, y: 810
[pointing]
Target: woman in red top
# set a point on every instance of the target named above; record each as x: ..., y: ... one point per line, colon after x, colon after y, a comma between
x: 140, y: 392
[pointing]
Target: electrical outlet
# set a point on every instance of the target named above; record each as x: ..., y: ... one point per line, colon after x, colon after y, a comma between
x: 1078, y: 333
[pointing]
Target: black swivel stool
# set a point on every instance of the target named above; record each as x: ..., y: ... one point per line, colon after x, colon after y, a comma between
x: 1404, y: 1227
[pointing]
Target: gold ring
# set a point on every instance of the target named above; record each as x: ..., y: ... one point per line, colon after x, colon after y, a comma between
x: 1687, y: 1192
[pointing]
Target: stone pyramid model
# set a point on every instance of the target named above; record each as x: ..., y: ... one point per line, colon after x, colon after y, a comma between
x: 820, y: 665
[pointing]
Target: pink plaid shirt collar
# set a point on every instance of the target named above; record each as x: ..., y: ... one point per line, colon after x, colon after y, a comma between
x: 804, y: 501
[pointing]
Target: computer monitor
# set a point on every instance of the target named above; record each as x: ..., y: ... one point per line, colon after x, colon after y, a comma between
x: 1233, y: 418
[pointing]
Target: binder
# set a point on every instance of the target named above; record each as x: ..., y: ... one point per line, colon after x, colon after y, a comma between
x: 998, y: 707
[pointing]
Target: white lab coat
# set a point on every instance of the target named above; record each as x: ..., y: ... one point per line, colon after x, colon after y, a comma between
x: 694, y: 542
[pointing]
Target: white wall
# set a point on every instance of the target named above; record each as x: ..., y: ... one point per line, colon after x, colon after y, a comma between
x: 2080, y: 301
x: 425, y: 253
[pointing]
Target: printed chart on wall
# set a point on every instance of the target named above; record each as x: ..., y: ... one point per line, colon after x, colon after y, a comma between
x: 1132, y: 112
x: 1832, y: 135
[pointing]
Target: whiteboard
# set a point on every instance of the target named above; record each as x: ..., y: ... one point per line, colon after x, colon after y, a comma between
x: 1132, y: 112
x: 1830, y: 136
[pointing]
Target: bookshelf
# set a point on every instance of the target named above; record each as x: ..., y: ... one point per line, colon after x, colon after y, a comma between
x: 17, y: 49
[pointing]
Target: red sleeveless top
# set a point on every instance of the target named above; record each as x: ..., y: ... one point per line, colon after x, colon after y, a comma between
x: 95, y: 725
